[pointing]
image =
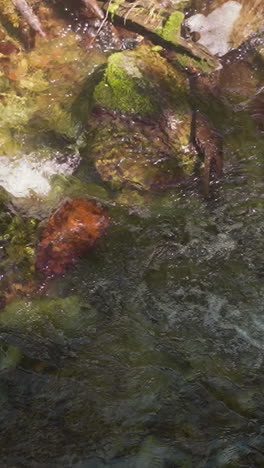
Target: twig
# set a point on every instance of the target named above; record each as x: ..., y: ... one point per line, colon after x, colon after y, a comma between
x: 94, y: 6
x: 28, y: 14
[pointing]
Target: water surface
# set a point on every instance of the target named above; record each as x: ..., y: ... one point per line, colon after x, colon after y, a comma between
x: 155, y: 358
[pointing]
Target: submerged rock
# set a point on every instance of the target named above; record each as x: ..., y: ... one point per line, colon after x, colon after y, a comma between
x: 149, y: 133
x: 70, y: 232
x: 141, y: 131
x: 140, y: 153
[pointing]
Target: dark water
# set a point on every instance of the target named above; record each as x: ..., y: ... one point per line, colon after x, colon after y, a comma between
x: 149, y: 353
x: 159, y: 361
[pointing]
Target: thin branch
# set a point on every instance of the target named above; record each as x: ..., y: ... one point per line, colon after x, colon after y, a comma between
x: 28, y: 14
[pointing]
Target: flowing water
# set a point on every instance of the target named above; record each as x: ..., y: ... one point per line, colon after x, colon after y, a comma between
x: 161, y: 361
x: 149, y: 352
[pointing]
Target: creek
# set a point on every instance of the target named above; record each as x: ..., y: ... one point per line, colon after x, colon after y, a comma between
x: 148, y: 352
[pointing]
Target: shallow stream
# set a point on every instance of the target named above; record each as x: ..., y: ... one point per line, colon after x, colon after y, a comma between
x: 149, y: 351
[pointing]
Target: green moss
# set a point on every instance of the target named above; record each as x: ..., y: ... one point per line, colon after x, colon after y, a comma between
x: 73, y: 187
x: 131, y: 197
x: 44, y: 316
x: 194, y: 64
x: 35, y: 82
x: 17, y: 240
x: 58, y: 120
x: 124, y: 88
x: 172, y: 28
x: 114, y: 6
x: 141, y: 82
x: 16, y: 111
x: 157, y: 48
x: 187, y: 162
x: 8, y: 144
x: 17, y: 247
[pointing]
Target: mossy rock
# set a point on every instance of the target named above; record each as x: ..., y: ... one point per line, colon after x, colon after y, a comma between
x: 146, y: 142
x: 138, y: 154
x: 141, y: 82
x: 124, y: 88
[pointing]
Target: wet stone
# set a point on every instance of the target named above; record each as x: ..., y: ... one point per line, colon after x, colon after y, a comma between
x: 70, y: 232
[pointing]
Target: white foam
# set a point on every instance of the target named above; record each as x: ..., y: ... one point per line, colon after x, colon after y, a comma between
x: 26, y: 174
x: 215, y: 29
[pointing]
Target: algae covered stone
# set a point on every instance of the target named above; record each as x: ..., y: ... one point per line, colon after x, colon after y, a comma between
x: 124, y: 87
x: 142, y: 134
x: 50, y: 317
x: 139, y: 154
x: 142, y: 82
